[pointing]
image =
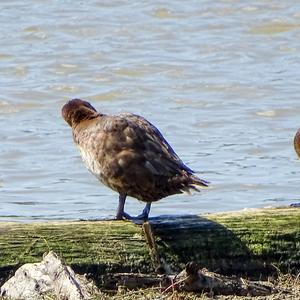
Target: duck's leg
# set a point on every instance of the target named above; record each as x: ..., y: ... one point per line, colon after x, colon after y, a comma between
x: 120, y: 215
x: 145, y: 213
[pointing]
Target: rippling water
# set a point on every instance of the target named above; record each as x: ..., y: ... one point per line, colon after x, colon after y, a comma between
x: 219, y: 78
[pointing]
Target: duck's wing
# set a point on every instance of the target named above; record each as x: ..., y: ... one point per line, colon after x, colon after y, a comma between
x: 158, y: 153
x: 137, y: 160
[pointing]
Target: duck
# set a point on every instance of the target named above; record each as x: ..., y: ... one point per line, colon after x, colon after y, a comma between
x: 297, y: 142
x: 128, y: 154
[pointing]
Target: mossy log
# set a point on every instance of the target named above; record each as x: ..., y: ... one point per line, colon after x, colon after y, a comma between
x: 253, y: 243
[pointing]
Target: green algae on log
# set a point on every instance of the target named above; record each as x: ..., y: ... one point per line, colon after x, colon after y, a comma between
x: 250, y: 242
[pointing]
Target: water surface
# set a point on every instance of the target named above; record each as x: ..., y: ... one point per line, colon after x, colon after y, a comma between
x: 220, y: 80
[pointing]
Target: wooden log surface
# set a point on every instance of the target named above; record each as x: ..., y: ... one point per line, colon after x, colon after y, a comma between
x: 250, y: 242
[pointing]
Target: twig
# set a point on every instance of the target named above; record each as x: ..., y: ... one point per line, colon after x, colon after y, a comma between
x: 173, y: 285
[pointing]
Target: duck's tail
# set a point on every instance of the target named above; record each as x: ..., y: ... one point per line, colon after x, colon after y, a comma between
x: 194, y: 184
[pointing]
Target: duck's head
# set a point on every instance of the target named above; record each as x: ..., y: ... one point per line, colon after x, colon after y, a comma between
x: 76, y: 111
x: 297, y: 142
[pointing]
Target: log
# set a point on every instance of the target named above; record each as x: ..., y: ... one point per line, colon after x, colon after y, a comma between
x: 248, y: 243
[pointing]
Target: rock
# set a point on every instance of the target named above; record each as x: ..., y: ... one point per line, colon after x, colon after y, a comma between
x: 50, y: 276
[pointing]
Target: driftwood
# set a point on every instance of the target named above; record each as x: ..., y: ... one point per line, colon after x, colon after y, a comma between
x: 193, y: 279
x: 250, y: 243
x: 51, y: 276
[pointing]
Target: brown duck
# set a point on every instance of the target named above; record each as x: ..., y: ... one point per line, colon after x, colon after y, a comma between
x: 297, y: 142
x: 128, y: 154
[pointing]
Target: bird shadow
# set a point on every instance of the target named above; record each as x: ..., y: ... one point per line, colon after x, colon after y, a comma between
x: 182, y: 239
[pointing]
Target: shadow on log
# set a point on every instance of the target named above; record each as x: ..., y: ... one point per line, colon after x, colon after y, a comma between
x: 241, y: 243
x: 248, y: 244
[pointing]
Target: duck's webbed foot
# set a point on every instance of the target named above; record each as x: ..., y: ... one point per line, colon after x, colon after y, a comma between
x: 124, y: 216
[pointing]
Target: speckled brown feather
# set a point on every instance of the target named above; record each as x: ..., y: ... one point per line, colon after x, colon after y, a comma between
x: 297, y: 143
x: 129, y: 154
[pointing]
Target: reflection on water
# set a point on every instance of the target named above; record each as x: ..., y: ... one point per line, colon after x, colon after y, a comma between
x: 274, y: 27
x: 220, y: 79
